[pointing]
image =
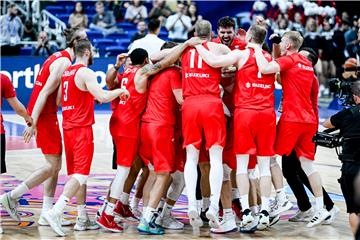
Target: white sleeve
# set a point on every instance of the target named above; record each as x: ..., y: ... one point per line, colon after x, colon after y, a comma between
x: 144, y: 13
x: 169, y: 21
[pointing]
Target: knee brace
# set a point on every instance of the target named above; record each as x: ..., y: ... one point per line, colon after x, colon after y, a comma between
x: 80, y: 178
x: 242, y: 162
x: 264, y: 166
x: 227, y: 173
x: 253, y: 173
x: 308, y: 166
x: 177, y: 186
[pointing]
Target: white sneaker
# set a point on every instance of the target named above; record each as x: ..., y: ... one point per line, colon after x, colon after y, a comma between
x: 319, y: 217
x: 264, y: 220
x: 247, y: 218
x: 334, y: 212
x: 42, y: 221
x: 10, y: 205
x: 252, y: 227
x: 274, y: 220
x: 54, y: 222
x: 137, y: 213
x: 83, y: 224
x: 227, y: 224
x: 280, y: 207
x: 213, y: 217
x: 170, y: 222
x: 301, y: 216
x: 194, y: 218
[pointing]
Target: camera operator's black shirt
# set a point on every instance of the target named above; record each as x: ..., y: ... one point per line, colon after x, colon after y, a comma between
x: 348, y: 121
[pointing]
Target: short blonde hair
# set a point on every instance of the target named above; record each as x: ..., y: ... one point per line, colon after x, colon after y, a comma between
x: 295, y: 38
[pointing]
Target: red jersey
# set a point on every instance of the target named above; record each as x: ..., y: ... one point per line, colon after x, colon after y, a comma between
x: 297, y: 76
x: 7, y: 91
x: 254, y: 90
x: 198, y: 78
x: 115, y: 102
x: 77, y: 105
x: 43, y: 75
x: 314, y: 97
x: 161, y: 104
x: 235, y: 44
x: 129, y: 112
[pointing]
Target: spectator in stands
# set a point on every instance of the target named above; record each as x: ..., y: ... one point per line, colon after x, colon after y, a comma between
x: 78, y: 18
x: 11, y: 31
x: 141, y: 27
x: 339, y: 47
x: 312, y: 37
x: 103, y: 20
x: 43, y: 48
x: 297, y: 25
x: 29, y: 31
x: 194, y: 16
x: 116, y: 7
x: 178, y: 25
x: 136, y: 12
x: 151, y: 42
x: 282, y: 26
x: 160, y: 10
x: 351, y: 38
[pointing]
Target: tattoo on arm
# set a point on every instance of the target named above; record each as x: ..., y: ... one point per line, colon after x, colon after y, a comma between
x: 150, y: 69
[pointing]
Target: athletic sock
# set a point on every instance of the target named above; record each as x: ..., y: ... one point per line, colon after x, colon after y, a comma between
x: 244, y: 200
x: 61, y: 204
x: 19, y: 191
x: 254, y: 209
x: 148, y: 213
x: 227, y: 212
x: 215, y: 176
x: 265, y: 203
x: 81, y: 209
x: 103, y: 206
x: 235, y: 193
x: 191, y: 175
x: 109, y: 209
x: 124, y: 198
x: 281, y: 195
x: 47, y: 204
x: 205, y: 203
x: 166, y: 212
x: 134, y: 202
x: 319, y: 203
x: 161, y: 204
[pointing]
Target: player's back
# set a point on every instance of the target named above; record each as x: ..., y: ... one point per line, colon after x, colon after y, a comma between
x: 254, y: 90
x: 198, y: 78
x: 77, y: 105
x: 41, y: 79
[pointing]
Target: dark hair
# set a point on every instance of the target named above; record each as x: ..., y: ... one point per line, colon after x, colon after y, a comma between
x: 153, y: 24
x: 313, y: 58
x: 188, y: 12
x: 167, y: 45
x: 226, y: 22
x: 258, y: 33
x: 355, y: 88
x: 70, y: 36
x: 11, y: 5
x: 138, y: 56
x: 82, y: 10
x: 82, y: 45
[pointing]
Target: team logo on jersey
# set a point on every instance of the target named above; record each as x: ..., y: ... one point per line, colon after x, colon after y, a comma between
x: 38, y: 83
x: 304, y: 67
x: 258, y: 85
x: 69, y: 73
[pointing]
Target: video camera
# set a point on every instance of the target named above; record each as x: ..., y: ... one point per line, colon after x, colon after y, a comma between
x: 342, y: 87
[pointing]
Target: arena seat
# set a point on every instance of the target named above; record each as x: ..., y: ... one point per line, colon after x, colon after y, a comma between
x: 26, y: 51
x: 126, y: 25
x: 123, y: 42
x: 118, y: 35
x: 115, y: 50
x: 94, y: 34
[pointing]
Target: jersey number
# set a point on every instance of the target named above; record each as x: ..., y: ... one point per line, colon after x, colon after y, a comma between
x: 66, y: 86
x: 124, y: 81
x: 192, y: 59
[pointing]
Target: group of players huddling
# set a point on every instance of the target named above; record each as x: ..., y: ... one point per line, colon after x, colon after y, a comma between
x: 207, y: 102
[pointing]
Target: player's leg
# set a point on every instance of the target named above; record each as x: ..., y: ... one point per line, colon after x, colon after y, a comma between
x: 204, y: 167
x: 3, y: 163
x: 134, y: 204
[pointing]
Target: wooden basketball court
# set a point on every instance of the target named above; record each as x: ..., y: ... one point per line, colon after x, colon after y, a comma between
x: 21, y: 162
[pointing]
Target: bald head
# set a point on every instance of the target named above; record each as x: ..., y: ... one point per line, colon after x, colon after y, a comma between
x: 203, y: 29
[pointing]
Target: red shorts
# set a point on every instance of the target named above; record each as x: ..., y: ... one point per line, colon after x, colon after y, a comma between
x: 48, y: 137
x: 228, y: 152
x: 203, y: 118
x: 255, y: 131
x: 126, y: 150
x: 203, y: 154
x: 295, y: 136
x: 157, y: 146
x: 180, y: 152
x: 79, y: 149
x: 252, y: 162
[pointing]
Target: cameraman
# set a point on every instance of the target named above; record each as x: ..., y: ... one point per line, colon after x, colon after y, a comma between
x: 348, y: 121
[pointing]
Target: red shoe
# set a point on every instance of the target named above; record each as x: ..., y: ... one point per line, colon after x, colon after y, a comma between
x: 107, y: 222
x: 124, y: 211
x: 236, y: 207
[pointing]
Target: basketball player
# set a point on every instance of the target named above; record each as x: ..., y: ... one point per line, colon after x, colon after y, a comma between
x: 254, y: 120
x: 298, y: 123
x: 78, y: 89
x: 125, y: 124
x: 8, y: 92
x: 42, y: 107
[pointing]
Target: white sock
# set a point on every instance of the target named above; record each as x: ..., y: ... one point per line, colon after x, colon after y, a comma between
x: 191, y: 174
x: 148, y: 213
x: 19, y: 191
x: 124, y: 198
x: 254, y: 209
x: 81, y: 209
x: 244, y: 200
x: 319, y: 203
x: 281, y: 195
x: 103, y: 206
x: 109, y: 209
x: 227, y: 211
x: 166, y: 212
x: 216, y: 175
x: 134, y: 202
x: 47, y: 204
x: 205, y: 203
x: 265, y: 203
x: 117, y: 185
x: 235, y: 193
x: 61, y: 204
x: 161, y: 204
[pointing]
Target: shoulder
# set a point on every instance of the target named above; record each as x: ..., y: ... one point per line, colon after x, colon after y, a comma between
x: 86, y: 71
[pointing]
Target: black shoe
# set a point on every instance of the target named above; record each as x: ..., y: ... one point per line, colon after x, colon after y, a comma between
x: 203, y: 216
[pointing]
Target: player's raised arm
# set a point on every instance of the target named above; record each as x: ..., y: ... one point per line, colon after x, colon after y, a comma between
x: 111, y: 73
x: 101, y: 95
x: 217, y: 61
x: 264, y: 66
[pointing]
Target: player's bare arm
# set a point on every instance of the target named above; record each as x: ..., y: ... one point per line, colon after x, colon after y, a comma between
x: 56, y: 70
x: 111, y: 73
x: 58, y: 97
x: 327, y: 123
x: 20, y: 109
x: 91, y: 85
x: 264, y: 66
x: 178, y: 96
